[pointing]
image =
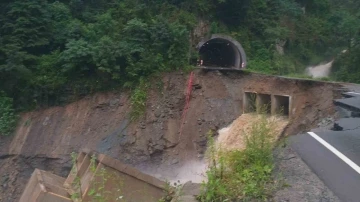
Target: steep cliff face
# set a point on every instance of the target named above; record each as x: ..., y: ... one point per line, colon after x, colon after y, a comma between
x: 45, y: 138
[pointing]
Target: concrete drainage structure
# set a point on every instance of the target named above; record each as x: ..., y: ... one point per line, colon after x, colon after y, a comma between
x: 94, y: 176
x: 222, y: 51
x: 268, y: 103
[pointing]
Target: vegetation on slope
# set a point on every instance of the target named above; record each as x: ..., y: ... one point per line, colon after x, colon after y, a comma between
x: 52, y: 52
x: 7, y: 115
x: 242, y: 175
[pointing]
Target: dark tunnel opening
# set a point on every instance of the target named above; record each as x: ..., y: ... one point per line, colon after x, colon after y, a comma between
x: 218, y: 53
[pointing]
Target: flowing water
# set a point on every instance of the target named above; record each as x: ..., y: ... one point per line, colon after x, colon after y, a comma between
x: 320, y: 71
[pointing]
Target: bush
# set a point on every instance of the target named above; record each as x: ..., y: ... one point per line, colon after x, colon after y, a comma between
x: 242, y: 175
x: 7, y: 115
x: 138, y: 100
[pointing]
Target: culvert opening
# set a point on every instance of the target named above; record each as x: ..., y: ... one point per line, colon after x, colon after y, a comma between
x: 219, y: 53
x: 281, y: 105
x: 249, y: 102
x: 263, y: 103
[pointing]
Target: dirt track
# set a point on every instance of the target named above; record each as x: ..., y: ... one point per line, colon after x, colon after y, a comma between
x: 100, y: 122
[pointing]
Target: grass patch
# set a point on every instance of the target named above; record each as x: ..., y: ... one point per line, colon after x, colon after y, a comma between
x: 138, y: 100
x: 242, y: 175
x: 300, y: 76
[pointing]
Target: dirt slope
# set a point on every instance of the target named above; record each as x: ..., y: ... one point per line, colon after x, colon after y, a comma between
x: 100, y: 122
x: 234, y: 136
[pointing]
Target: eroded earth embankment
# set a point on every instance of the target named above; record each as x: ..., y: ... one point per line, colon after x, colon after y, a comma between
x: 45, y: 138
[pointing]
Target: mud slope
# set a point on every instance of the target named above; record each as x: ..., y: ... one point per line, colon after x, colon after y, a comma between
x: 100, y: 122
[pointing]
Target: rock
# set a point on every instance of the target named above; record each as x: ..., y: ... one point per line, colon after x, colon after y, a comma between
x: 191, y: 189
x: 4, y: 179
x: 114, y: 102
x: 46, y: 121
x: 157, y: 114
x: 280, y: 46
x: 337, y: 127
x: 102, y: 105
x: 197, y: 86
x: 131, y: 139
x: 202, y: 143
x: 159, y: 147
x: 175, y: 161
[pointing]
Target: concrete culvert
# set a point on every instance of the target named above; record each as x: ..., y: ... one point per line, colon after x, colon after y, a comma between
x: 222, y: 51
x: 263, y: 103
x: 281, y: 105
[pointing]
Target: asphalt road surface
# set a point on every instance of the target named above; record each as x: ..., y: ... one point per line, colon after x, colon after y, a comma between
x: 334, y: 156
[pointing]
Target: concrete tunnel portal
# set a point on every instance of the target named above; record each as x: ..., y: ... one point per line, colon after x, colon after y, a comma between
x: 222, y: 51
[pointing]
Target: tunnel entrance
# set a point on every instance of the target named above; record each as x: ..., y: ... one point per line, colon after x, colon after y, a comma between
x: 218, y: 53
x: 221, y: 51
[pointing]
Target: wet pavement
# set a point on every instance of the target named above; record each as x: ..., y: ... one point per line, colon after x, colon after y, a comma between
x: 334, y: 155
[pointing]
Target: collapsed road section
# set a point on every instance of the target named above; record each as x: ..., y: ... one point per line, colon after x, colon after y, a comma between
x: 333, y: 152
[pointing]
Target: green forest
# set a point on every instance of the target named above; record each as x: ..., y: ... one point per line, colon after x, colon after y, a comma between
x: 53, y: 52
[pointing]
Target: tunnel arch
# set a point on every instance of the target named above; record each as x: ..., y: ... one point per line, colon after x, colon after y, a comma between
x: 222, y: 51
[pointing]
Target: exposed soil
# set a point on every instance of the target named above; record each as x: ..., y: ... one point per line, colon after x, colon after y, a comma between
x: 152, y: 144
x: 234, y: 136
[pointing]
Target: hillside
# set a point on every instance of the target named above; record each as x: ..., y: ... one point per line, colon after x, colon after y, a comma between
x: 55, y: 52
x: 155, y: 84
x: 44, y: 139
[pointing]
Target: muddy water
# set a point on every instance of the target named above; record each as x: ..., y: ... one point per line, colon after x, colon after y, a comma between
x: 234, y: 136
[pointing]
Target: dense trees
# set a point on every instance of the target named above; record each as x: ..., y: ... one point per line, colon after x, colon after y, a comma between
x: 347, y: 64
x: 54, y: 51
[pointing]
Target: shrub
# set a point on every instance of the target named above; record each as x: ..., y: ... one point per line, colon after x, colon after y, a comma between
x: 7, y: 115
x: 138, y: 100
x: 242, y: 174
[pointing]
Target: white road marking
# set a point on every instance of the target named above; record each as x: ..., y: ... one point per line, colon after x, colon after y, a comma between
x: 354, y: 93
x: 336, y: 152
